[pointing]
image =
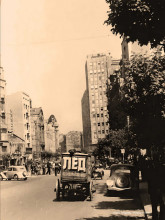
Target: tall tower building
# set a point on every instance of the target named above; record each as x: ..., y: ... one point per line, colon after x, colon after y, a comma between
x: 19, y: 104
x: 94, y: 101
x: 4, y: 144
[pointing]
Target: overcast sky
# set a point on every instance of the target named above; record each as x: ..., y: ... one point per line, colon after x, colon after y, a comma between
x: 44, y: 49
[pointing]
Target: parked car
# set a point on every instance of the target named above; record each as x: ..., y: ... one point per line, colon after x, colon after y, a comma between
x: 2, y: 175
x: 122, y: 177
x: 16, y: 173
x: 97, y: 172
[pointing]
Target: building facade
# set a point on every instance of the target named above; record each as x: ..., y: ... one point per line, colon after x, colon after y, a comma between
x: 95, y: 117
x: 74, y: 140
x: 62, y: 143
x: 19, y: 104
x: 51, y: 134
x: 37, y: 132
x: 4, y: 144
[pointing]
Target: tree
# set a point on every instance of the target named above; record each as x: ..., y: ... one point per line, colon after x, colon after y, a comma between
x: 138, y: 20
x: 144, y: 91
x: 117, y: 115
x: 102, y: 149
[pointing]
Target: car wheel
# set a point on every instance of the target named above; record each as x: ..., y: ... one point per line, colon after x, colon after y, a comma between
x: 1, y: 178
x: 122, y: 182
x: 15, y: 177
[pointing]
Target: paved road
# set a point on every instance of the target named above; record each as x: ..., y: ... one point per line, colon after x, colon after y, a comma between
x: 34, y: 199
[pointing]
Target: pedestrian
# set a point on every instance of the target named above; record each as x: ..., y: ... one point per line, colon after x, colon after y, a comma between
x: 156, y: 188
x: 43, y: 168
x: 56, y: 169
x: 49, y: 168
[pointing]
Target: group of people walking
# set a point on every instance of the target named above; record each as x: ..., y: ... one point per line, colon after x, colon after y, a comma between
x: 43, y: 169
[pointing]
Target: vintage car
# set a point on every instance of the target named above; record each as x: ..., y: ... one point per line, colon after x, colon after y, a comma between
x: 16, y: 173
x: 122, y: 177
x: 97, y: 172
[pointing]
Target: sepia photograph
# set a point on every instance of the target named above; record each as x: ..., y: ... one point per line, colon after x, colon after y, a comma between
x: 82, y: 110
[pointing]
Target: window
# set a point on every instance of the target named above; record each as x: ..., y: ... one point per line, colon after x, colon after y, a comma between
x: 99, y: 132
x: 101, y: 108
x: 9, y: 169
x: 98, y: 115
x: 102, y: 123
x: 14, y: 169
x: 102, y: 115
x: 4, y: 148
x: 98, y: 124
x: 103, y: 132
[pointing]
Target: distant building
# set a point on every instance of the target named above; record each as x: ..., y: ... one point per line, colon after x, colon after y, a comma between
x: 51, y: 134
x: 74, y: 140
x: 4, y: 144
x: 95, y: 117
x: 62, y: 143
x: 19, y: 104
x: 37, y: 132
x: 17, y: 147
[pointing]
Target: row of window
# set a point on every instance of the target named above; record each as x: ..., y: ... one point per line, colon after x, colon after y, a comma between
x: 97, y: 71
x: 94, y: 63
x: 101, y: 123
x: 26, y: 106
x: 97, y: 77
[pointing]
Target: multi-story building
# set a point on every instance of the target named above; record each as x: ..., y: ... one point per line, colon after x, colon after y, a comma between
x: 94, y: 102
x: 51, y: 134
x: 19, y: 104
x: 74, y: 140
x: 37, y: 132
x: 4, y: 144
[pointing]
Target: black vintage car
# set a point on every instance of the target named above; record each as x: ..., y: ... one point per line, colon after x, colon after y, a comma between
x: 122, y: 177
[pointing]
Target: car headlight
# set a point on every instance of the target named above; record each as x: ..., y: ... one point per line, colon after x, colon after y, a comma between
x: 110, y: 182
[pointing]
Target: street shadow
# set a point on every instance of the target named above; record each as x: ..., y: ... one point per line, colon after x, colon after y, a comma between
x: 79, y: 198
x: 113, y: 217
x: 125, y: 194
x: 118, y: 205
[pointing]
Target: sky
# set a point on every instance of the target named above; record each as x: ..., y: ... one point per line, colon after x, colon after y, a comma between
x: 44, y: 45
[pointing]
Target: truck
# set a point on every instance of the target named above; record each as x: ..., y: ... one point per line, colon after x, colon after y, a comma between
x: 75, y: 178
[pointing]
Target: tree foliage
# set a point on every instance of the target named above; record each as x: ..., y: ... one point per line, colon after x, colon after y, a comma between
x: 144, y: 90
x: 138, y: 20
x: 117, y: 115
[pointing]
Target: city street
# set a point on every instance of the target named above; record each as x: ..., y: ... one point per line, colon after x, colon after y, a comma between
x: 35, y: 199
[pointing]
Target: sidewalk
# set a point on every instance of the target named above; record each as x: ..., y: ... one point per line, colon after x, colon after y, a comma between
x: 145, y: 199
